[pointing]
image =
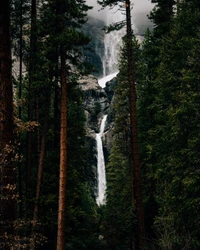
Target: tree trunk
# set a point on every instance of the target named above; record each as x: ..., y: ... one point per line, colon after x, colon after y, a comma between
x: 40, y: 168
x: 63, y: 155
x: 37, y: 129
x: 56, y: 116
x: 137, y: 186
x: 20, y: 110
x: 32, y: 62
x: 7, y: 173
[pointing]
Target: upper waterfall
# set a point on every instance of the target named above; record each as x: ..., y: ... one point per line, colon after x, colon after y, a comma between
x: 112, y: 42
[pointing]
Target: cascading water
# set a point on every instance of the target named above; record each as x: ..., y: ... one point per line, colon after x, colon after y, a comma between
x: 102, y: 82
x: 112, y: 42
x: 101, y: 165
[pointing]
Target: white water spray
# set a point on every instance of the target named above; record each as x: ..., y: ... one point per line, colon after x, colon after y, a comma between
x: 102, y: 82
x: 112, y: 42
x: 101, y: 165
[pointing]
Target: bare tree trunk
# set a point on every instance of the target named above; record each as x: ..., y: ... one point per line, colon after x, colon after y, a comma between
x: 7, y: 172
x: 56, y: 116
x: 137, y: 186
x: 63, y: 155
x: 56, y: 95
x: 40, y: 169
x: 37, y: 118
x: 32, y: 62
x: 20, y: 110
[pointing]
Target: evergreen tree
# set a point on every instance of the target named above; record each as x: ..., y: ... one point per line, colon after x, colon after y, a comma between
x: 7, y: 172
x: 137, y: 185
x: 162, y: 16
x: 171, y: 114
x: 49, y: 42
x: 119, y: 214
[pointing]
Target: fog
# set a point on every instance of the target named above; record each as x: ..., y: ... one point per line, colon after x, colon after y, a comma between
x: 138, y: 6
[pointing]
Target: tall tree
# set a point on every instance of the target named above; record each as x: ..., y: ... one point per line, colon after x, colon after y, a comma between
x: 20, y: 96
x: 162, y: 15
x: 61, y: 7
x: 40, y: 168
x: 137, y: 185
x: 32, y: 77
x: 63, y: 155
x: 119, y: 213
x: 77, y: 14
x: 168, y: 135
x: 7, y: 173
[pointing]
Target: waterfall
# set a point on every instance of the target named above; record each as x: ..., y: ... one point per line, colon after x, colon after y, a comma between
x: 101, y: 165
x: 112, y: 43
x: 102, y: 82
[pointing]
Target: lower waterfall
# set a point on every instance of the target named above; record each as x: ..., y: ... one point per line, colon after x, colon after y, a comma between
x: 101, y: 172
x: 101, y: 199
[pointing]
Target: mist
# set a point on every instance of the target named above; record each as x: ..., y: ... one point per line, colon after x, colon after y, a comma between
x: 139, y: 6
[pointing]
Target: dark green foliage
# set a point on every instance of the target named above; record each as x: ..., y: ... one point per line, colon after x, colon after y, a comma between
x: 81, y: 206
x: 110, y: 3
x: 118, y: 209
x: 115, y: 26
x: 168, y: 104
x: 120, y: 221
x: 169, y: 127
x: 162, y: 16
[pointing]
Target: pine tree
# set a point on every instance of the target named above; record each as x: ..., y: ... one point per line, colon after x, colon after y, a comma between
x: 7, y: 172
x: 162, y: 15
x: 136, y: 186
x: 169, y: 150
x: 50, y: 39
x: 119, y: 212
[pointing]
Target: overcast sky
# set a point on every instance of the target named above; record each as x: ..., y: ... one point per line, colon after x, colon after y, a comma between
x: 139, y: 6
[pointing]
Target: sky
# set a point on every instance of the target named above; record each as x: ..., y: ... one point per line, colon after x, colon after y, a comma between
x: 139, y: 6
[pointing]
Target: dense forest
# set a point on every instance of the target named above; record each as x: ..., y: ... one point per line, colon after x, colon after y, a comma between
x: 46, y: 180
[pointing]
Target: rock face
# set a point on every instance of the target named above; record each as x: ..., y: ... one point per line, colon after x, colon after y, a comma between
x: 96, y: 103
x: 108, y: 135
